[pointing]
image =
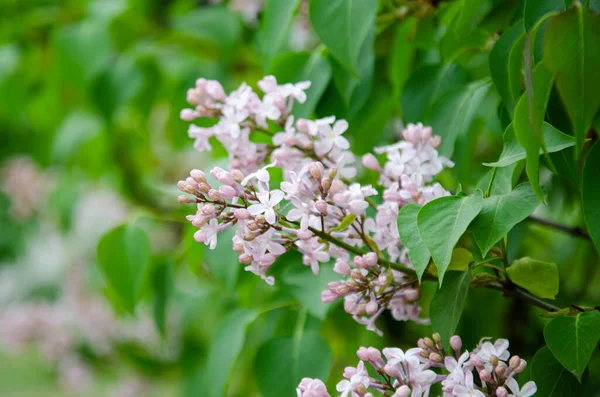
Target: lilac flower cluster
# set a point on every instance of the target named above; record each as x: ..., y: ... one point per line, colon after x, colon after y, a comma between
x: 316, y: 209
x: 488, y: 371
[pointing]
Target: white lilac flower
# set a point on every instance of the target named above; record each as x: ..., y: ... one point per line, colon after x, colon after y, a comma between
x: 331, y: 137
x: 268, y: 200
x: 528, y: 390
x: 359, y: 381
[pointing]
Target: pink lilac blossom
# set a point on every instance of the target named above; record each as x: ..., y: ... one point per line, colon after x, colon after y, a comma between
x: 306, y: 210
x: 412, y: 373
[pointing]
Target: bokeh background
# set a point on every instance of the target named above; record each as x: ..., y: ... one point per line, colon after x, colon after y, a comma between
x: 90, y: 138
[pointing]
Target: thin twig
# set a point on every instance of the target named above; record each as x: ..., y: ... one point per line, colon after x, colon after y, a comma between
x: 523, y: 295
x: 574, y: 231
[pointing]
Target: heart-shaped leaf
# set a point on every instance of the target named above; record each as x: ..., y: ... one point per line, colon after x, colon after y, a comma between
x: 539, y: 278
x: 551, y: 378
x: 409, y: 235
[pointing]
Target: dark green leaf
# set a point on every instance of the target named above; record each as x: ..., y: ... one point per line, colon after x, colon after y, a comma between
x: 571, y: 52
x: 504, y: 180
x: 426, y: 86
x: 402, y: 56
x: 409, y: 235
x: 572, y: 340
x: 317, y: 70
x: 590, y: 193
x: 223, y: 261
x: 453, y: 113
x: 505, y: 65
x: 536, y: 9
x: 529, y: 118
x: 551, y: 378
x: 162, y: 283
x: 500, y: 214
x: 448, y: 303
x: 123, y: 256
x: 343, y: 26
x: 513, y: 152
x: 443, y: 221
x: 276, y: 21
x: 539, y: 278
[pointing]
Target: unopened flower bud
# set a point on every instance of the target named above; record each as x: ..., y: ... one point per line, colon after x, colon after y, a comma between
x: 436, y: 141
x: 199, y: 221
x: 435, y: 357
x: 456, y: 342
x: 485, y: 375
x: 203, y: 187
x: 476, y: 361
x: 425, y: 353
x: 521, y: 367
x: 421, y: 343
x: 249, y: 236
x: 360, y: 262
x: 514, y: 362
x: 437, y: 338
x: 198, y: 176
x: 494, y: 360
x: 245, y: 259
x: 341, y: 267
x: 302, y: 126
x: 268, y: 259
x: 356, y: 274
x: 329, y: 296
x: 238, y: 175
x: 428, y: 343
x: 183, y: 199
x: 208, y: 209
x: 352, y: 284
x: 370, y: 162
x: 500, y: 369
x: 260, y: 219
x: 227, y: 191
x: 238, y: 247
x: 304, y: 234
x: 501, y: 392
x: 336, y: 187
x: 214, y: 195
x: 252, y: 225
x: 241, y: 214
x: 187, y: 115
x: 402, y: 391
x: 316, y: 170
x: 370, y: 259
x: 332, y: 173
x: 342, y: 290
x: 372, y: 307
x: 326, y: 184
x: 321, y: 206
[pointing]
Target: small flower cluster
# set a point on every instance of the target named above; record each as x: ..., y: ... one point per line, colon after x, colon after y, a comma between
x: 482, y: 373
x: 316, y: 209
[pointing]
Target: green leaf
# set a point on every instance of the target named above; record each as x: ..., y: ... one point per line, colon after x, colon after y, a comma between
x: 162, y: 283
x: 281, y: 363
x: 500, y: 214
x: 539, y: 278
x: 453, y: 114
x: 276, y: 21
x: 345, y: 224
x: 535, y: 10
x: 448, y: 303
x: 571, y: 53
x: 343, y: 26
x: 504, y: 180
x: 590, y: 193
x: 123, y: 257
x: 409, y: 235
x: 528, y: 121
x: 443, y: 221
x: 551, y: 378
x: 225, y: 347
x: 355, y: 92
x: 317, y: 70
x: 426, y: 86
x: 572, y: 340
x: 402, y: 56
x: 77, y: 128
x: 513, y: 152
x: 223, y: 261
x: 505, y: 65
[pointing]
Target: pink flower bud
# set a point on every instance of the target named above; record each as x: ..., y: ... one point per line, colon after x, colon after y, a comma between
x: 249, y: 236
x: 500, y: 369
x: 227, y: 191
x: 370, y: 259
x: 349, y: 372
x: 336, y: 187
x: 341, y: 267
x: 238, y: 175
x: 215, y: 90
x: 316, y: 170
x: 372, y: 307
x: 214, y: 195
x: 476, y: 361
x: 393, y: 371
x: 342, y: 290
x: 402, y: 391
x: 252, y: 225
x: 370, y: 162
x: 238, y: 247
x: 204, y: 187
x: 514, y: 362
x: 521, y: 367
x: 362, y: 353
x: 356, y: 274
x: 200, y: 236
x: 245, y: 259
x: 358, y: 207
x: 321, y: 206
x: 326, y: 184
x: 198, y: 175
x: 485, y: 375
x: 456, y: 342
x: 188, y: 114
x: 302, y: 126
x: 360, y: 262
x: 329, y: 296
x: 268, y: 259
x: 208, y: 209
x: 199, y: 221
x: 501, y: 392
x: 435, y: 357
x: 241, y: 214
x: 436, y: 141
x: 182, y: 199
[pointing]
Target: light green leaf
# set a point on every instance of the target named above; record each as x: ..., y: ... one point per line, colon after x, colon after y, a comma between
x: 513, y: 152
x: 453, y: 113
x: 539, y: 278
x: 276, y: 21
x: 535, y: 10
x: 345, y: 224
x: 225, y: 347
x: 505, y: 65
x: 571, y: 53
x: 448, y: 303
x: 443, y: 221
x: 528, y: 121
x: 317, y: 70
x: 76, y: 129
x: 590, y: 193
x: 280, y: 365
x: 403, y: 55
x: 123, y: 257
x: 343, y: 26
x: 426, y: 85
x: 572, y: 340
x: 409, y: 235
x: 461, y: 259
x: 500, y: 214
x: 551, y: 378
x: 223, y: 261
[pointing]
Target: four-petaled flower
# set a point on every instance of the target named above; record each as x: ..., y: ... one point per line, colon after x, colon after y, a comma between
x: 268, y: 200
